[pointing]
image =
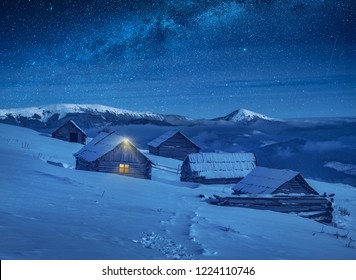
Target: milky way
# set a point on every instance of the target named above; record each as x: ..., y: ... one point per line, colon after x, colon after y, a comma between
x: 199, y: 58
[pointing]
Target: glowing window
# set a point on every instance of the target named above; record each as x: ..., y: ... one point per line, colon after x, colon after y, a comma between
x: 124, y: 168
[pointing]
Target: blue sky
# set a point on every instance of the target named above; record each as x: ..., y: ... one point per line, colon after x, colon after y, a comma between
x: 196, y: 58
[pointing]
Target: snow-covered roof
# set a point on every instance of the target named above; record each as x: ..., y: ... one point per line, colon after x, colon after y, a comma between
x: 264, y: 180
x: 164, y: 137
x: 90, y: 145
x: 222, y: 165
x: 99, y: 146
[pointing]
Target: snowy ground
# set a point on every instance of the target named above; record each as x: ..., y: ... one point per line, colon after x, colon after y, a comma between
x: 48, y: 210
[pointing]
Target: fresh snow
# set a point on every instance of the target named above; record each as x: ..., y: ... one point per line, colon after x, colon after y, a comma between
x: 99, y: 146
x: 221, y: 165
x: 262, y: 180
x: 51, y: 212
x: 245, y: 115
x: 43, y: 113
x: 164, y: 137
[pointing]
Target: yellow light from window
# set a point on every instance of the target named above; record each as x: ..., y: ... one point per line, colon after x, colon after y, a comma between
x: 124, y: 168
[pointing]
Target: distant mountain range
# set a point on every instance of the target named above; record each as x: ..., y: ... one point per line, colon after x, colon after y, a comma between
x: 89, y: 115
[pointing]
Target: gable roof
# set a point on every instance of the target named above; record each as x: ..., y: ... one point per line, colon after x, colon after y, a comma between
x: 91, y: 144
x: 263, y: 180
x: 101, y: 145
x: 221, y: 165
x: 164, y: 137
x: 73, y: 123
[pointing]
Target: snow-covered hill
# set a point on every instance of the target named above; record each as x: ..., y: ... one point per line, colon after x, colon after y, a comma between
x: 243, y: 115
x: 52, y: 212
x: 272, y: 141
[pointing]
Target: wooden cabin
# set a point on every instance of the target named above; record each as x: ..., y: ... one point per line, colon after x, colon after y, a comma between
x: 173, y: 144
x: 112, y: 153
x: 264, y: 180
x: 70, y: 132
x: 217, y: 168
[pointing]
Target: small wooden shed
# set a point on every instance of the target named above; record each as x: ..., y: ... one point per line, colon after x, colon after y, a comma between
x: 173, y: 144
x: 70, y: 132
x: 264, y: 180
x: 217, y: 168
x: 112, y: 153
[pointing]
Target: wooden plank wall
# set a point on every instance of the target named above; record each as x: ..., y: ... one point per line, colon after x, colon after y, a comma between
x: 84, y: 165
x: 63, y: 133
x: 296, y: 185
x: 317, y: 207
x: 177, y: 147
x: 140, y: 166
x: 153, y: 150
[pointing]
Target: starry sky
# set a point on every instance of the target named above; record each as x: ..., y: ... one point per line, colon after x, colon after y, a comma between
x: 198, y: 58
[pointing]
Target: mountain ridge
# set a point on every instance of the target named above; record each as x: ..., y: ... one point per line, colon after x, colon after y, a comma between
x: 100, y: 115
x: 244, y: 115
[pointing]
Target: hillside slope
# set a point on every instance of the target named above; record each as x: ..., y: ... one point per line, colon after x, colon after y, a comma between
x: 51, y: 212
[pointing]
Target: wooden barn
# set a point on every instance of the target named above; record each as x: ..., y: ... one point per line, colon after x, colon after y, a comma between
x: 70, y: 132
x: 112, y: 153
x: 264, y: 180
x: 279, y: 190
x: 173, y: 144
x: 217, y: 168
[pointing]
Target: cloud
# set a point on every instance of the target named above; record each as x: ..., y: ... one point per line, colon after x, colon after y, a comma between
x: 323, y: 146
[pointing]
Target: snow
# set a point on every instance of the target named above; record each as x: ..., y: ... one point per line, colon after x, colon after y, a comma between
x: 264, y: 180
x: 51, y: 212
x: 222, y: 165
x: 246, y: 115
x: 43, y: 113
x: 99, y: 146
x: 164, y: 137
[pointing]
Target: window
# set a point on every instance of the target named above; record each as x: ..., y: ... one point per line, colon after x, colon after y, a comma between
x: 124, y: 168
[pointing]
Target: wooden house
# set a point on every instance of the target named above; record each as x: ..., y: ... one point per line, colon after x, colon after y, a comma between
x: 217, y: 168
x: 112, y: 153
x: 264, y: 180
x: 70, y: 132
x: 173, y: 144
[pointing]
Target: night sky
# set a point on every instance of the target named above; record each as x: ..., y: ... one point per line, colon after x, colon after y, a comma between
x: 282, y: 58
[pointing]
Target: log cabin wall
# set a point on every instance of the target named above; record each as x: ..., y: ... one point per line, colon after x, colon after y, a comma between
x: 64, y: 133
x: 177, y: 147
x: 296, y: 185
x: 125, y: 153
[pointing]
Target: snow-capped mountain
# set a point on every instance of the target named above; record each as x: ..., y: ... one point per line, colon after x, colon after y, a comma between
x: 91, y: 115
x: 84, y: 114
x: 243, y: 115
x: 44, y: 113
